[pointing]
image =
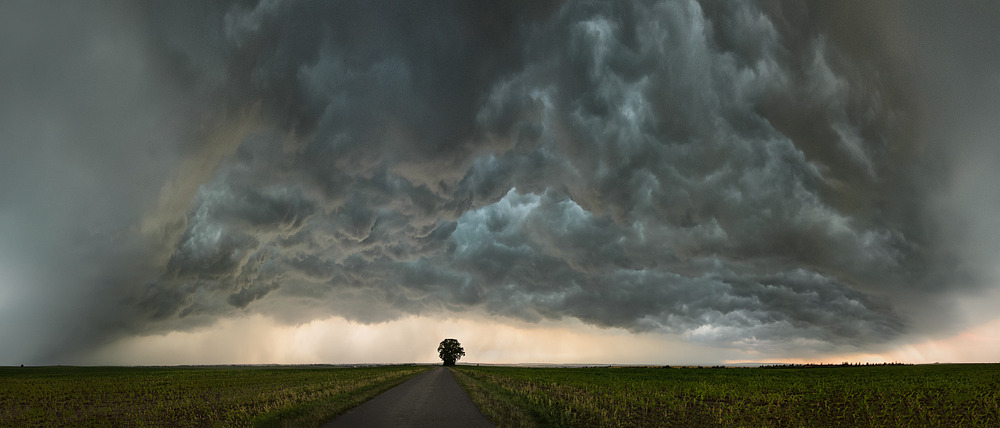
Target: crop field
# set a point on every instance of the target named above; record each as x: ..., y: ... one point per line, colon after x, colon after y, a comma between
x: 188, y: 396
x: 948, y: 395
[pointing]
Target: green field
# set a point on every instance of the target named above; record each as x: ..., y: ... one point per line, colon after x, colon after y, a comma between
x: 948, y: 395
x: 929, y: 395
x: 188, y: 396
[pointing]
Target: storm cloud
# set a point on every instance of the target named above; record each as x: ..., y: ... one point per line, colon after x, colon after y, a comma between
x: 742, y: 174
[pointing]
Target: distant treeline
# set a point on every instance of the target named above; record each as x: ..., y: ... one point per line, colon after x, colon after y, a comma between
x: 844, y: 364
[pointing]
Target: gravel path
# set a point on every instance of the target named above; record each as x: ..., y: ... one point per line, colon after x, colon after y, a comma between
x: 432, y: 399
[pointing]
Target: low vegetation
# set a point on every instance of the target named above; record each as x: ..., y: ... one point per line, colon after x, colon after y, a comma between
x: 925, y: 395
x: 188, y: 396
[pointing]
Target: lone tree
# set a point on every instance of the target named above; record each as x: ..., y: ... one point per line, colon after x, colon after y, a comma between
x: 450, y: 351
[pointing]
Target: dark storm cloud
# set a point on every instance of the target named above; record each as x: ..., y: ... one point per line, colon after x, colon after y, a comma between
x: 743, y: 174
x: 88, y: 125
x: 614, y: 162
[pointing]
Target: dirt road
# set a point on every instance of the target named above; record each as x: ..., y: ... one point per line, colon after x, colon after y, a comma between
x: 432, y: 399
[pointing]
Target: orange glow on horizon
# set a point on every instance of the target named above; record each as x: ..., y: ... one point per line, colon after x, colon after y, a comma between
x: 259, y: 340
x: 978, y: 344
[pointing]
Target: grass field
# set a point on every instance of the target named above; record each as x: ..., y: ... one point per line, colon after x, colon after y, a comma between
x: 188, y: 396
x: 920, y: 396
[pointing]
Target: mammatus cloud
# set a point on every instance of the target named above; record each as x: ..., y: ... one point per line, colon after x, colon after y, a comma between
x: 740, y: 174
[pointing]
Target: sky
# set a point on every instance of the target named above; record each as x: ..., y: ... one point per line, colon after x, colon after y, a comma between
x: 642, y: 182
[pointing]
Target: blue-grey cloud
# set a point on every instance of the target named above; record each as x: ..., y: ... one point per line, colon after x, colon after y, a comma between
x: 743, y: 174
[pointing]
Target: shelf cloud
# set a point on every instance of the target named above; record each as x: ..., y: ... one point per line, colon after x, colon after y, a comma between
x: 763, y: 175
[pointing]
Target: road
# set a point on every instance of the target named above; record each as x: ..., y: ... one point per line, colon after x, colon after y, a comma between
x: 432, y: 399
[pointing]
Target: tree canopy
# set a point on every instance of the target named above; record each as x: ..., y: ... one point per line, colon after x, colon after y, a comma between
x: 450, y: 351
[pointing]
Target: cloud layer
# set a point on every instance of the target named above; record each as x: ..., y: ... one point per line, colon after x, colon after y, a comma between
x: 740, y: 174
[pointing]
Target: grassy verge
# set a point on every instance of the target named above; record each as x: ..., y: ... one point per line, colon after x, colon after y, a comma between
x: 499, y: 406
x: 925, y: 396
x: 315, y: 413
x: 188, y: 396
